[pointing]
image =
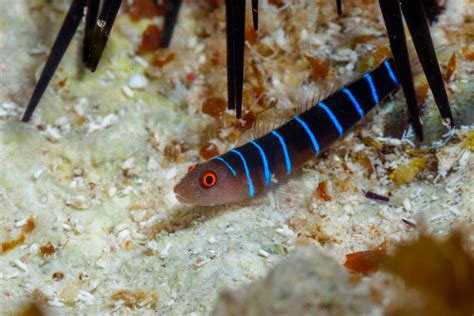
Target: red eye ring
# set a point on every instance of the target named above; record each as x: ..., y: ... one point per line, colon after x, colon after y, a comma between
x: 191, y: 168
x: 209, y: 179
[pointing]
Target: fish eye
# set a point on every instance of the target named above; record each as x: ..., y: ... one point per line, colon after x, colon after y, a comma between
x: 191, y: 168
x: 209, y: 179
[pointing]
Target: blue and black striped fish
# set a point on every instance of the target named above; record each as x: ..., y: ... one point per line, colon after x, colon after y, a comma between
x: 246, y: 171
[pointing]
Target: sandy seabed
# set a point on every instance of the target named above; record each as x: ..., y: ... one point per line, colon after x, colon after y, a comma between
x: 86, y: 188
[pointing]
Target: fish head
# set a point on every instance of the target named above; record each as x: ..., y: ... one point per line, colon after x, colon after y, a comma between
x: 211, y: 183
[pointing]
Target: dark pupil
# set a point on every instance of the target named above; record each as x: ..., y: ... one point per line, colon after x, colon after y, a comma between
x: 208, y: 180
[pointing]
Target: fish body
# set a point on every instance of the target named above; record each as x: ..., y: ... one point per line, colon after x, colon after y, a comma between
x: 246, y: 171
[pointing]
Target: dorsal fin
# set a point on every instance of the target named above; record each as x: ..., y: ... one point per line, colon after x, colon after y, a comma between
x: 307, y: 97
x: 270, y: 120
x: 266, y: 122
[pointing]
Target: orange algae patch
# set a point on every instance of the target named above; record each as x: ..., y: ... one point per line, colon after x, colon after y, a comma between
x: 250, y: 35
x: 30, y: 225
x: 214, y: 106
x: 366, y: 262
x: 322, y: 191
x: 30, y: 309
x: 173, y: 151
x: 160, y: 60
x: 62, y: 83
x: 150, y: 40
x: 319, y: 67
x: 208, y: 150
x: 373, y: 59
x: 47, y: 250
x: 216, y: 59
x: 362, y: 39
x: 39, y: 295
x: 422, y: 92
x: 381, y: 54
x: 451, y: 68
x: 259, y: 91
x: 468, y: 53
x: 278, y: 3
x: 136, y: 299
x: 11, y: 244
x: 128, y: 245
x: 139, y: 9
x: 246, y: 122
x: 442, y: 271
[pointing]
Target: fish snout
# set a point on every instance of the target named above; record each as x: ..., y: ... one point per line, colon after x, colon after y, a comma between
x: 179, y: 192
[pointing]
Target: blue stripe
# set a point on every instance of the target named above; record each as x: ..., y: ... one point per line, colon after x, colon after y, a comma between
x: 354, y: 101
x: 390, y: 72
x: 266, y: 170
x: 285, y: 151
x: 247, y: 173
x: 310, y: 134
x: 372, y: 87
x: 228, y: 166
x: 333, y: 118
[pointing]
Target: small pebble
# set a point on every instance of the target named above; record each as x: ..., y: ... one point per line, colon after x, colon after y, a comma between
x: 110, y: 75
x: 21, y: 222
x: 78, y: 172
x: 142, y: 62
x: 192, y: 41
x: 152, y: 164
x: 463, y: 161
x: 55, y: 303
x: 138, y: 81
x: 101, y: 263
x: 121, y: 227
x: 37, y: 174
x: 127, y: 92
x: 33, y: 248
x: 124, y: 234
x: 263, y: 253
x: 171, y: 173
x: 407, y: 204
x: 67, y: 227
x: 128, y: 164
x: 21, y: 265
x: 166, y: 251
x: 78, y: 202
x: 112, y: 191
x: 12, y: 275
x: 52, y: 134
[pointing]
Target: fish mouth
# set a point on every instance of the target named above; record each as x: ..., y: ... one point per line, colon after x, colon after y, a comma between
x: 193, y: 200
x: 180, y: 197
x: 189, y: 200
